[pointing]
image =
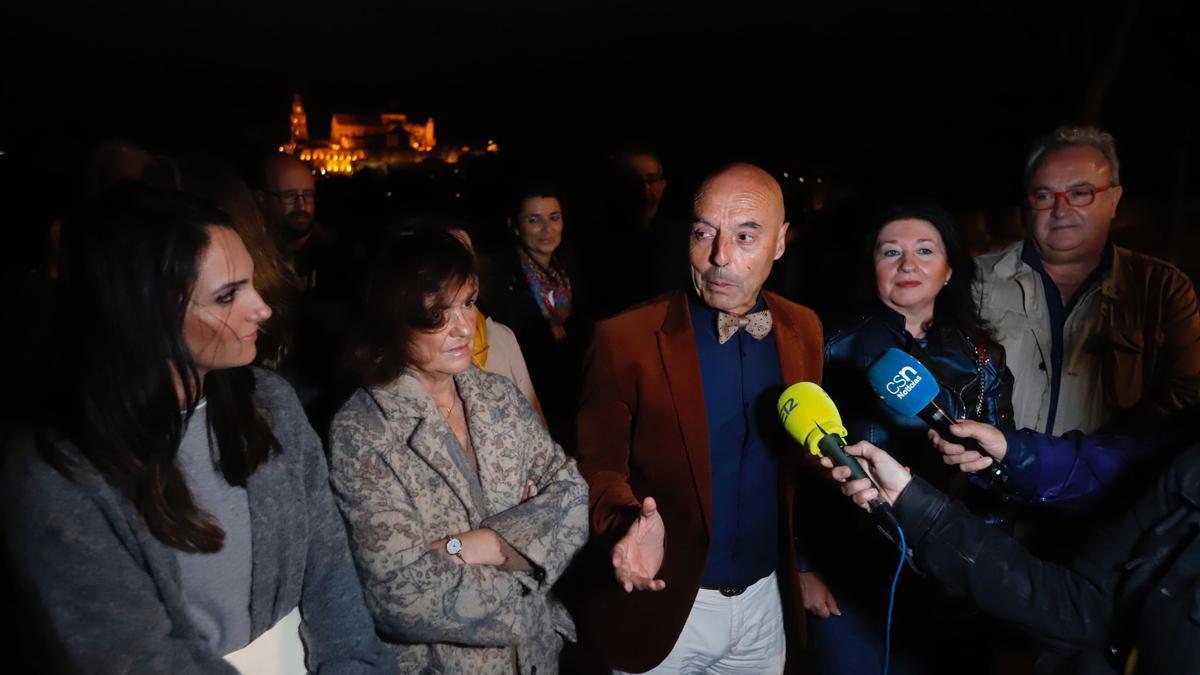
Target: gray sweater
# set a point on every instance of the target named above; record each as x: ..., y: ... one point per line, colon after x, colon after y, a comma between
x: 110, y: 594
x: 216, y: 586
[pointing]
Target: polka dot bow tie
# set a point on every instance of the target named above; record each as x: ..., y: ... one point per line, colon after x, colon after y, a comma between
x: 757, y: 324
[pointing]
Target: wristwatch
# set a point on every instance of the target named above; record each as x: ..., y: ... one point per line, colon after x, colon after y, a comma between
x: 454, y: 546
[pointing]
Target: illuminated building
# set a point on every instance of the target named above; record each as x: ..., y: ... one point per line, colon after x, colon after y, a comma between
x: 383, y: 141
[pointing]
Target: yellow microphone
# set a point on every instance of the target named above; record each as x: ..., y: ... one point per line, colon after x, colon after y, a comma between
x: 811, y: 417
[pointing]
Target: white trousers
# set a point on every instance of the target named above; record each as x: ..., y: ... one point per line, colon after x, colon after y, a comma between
x: 739, y: 635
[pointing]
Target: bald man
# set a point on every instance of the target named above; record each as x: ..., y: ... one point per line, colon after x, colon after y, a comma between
x: 287, y: 197
x: 691, y: 478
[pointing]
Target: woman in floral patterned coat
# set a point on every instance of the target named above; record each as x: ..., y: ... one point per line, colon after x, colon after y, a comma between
x: 462, y: 511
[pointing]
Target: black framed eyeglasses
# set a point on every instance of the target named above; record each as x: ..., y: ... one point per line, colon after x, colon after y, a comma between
x: 292, y: 196
x: 1079, y: 195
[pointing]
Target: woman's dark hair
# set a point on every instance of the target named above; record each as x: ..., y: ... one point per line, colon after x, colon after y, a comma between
x: 530, y: 189
x: 129, y: 262
x: 954, y: 308
x: 564, y: 259
x: 410, y: 267
x: 218, y: 184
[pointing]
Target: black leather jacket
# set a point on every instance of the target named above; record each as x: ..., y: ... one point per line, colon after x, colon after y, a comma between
x: 851, y: 351
x: 1137, y: 583
x: 839, y: 541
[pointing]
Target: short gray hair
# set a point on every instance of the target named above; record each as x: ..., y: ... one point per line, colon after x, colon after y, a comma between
x: 1073, y: 136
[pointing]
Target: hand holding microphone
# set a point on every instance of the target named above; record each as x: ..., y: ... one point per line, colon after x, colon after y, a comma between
x: 990, y: 439
x: 907, y: 387
x: 811, y: 417
x: 890, y: 476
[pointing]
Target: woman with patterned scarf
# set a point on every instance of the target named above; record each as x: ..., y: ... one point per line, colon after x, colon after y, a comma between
x: 534, y: 294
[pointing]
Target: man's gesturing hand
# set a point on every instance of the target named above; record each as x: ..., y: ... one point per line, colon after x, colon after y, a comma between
x: 638, y: 556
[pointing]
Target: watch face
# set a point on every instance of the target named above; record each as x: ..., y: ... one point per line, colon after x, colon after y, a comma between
x: 454, y: 546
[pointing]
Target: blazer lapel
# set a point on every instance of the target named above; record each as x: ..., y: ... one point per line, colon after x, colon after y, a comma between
x: 681, y: 362
x: 432, y: 439
x: 792, y: 353
x: 491, y: 432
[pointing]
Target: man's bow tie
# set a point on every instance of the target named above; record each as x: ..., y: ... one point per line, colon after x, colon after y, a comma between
x: 757, y: 324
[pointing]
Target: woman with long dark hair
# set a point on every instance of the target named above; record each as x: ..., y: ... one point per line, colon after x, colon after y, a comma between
x: 175, y: 505
x: 535, y: 294
x: 919, y: 300
x: 214, y: 182
x: 462, y: 511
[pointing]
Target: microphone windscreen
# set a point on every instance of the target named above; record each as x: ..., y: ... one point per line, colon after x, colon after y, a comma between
x: 809, y: 414
x: 903, y: 382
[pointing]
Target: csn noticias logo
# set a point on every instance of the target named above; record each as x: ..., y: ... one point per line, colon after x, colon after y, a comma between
x: 904, y: 382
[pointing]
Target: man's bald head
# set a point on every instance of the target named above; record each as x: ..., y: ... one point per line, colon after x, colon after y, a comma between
x: 746, y: 180
x: 738, y: 231
x: 287, y: 194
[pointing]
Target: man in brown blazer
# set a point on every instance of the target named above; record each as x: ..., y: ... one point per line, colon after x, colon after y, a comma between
x: 691, y: 478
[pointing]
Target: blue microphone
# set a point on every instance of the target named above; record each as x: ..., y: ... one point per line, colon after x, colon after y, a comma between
x: 906, y: 386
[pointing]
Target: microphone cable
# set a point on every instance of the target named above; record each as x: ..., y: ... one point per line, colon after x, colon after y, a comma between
x: 887, y: 632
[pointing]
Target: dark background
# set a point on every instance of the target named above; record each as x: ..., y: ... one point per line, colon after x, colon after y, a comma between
x: 910, y: 97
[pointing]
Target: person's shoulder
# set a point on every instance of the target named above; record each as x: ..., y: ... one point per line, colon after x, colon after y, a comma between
x: 360, y: 405
x: 847, y: 329
x: 1008, y: 252
x: 647, y: 314
x: 501, y: 338
x: 495, y: 390
x: 495, y: 328
x: 22, y: 456
x: 496, y: 384
x: 862, y: 338
x: 1141, y: 266
x: 48, y: 504
x: 792, y: 312
x: 999, y: 264
x: 33, y: 483
x: 271, y: 388
x: 356, y: 425
x: 276, y: 398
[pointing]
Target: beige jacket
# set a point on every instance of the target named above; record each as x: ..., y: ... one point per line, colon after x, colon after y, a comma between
x: 1131, y: 343
x: 505, y: 358
x: 401, y: 479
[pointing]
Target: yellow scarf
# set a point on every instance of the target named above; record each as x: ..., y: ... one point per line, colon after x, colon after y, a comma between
x: 479, y: 344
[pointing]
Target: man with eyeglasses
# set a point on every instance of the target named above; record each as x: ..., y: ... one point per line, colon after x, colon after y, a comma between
x: 288, y: 199
x: 1093, y: 332
x: 323, y: 264
x: 638, y: 216
x: 646, y: 166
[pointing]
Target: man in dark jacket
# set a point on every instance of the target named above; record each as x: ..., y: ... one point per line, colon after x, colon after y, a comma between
x: 1131, y: 597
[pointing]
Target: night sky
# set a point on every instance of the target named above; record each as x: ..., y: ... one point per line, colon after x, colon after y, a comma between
x: 938, y: 97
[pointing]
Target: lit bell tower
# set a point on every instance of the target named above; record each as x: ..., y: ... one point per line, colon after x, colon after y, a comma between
x: 299, y: 122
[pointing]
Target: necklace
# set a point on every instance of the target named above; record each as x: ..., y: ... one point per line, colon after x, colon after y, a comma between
x: 448, y: 409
